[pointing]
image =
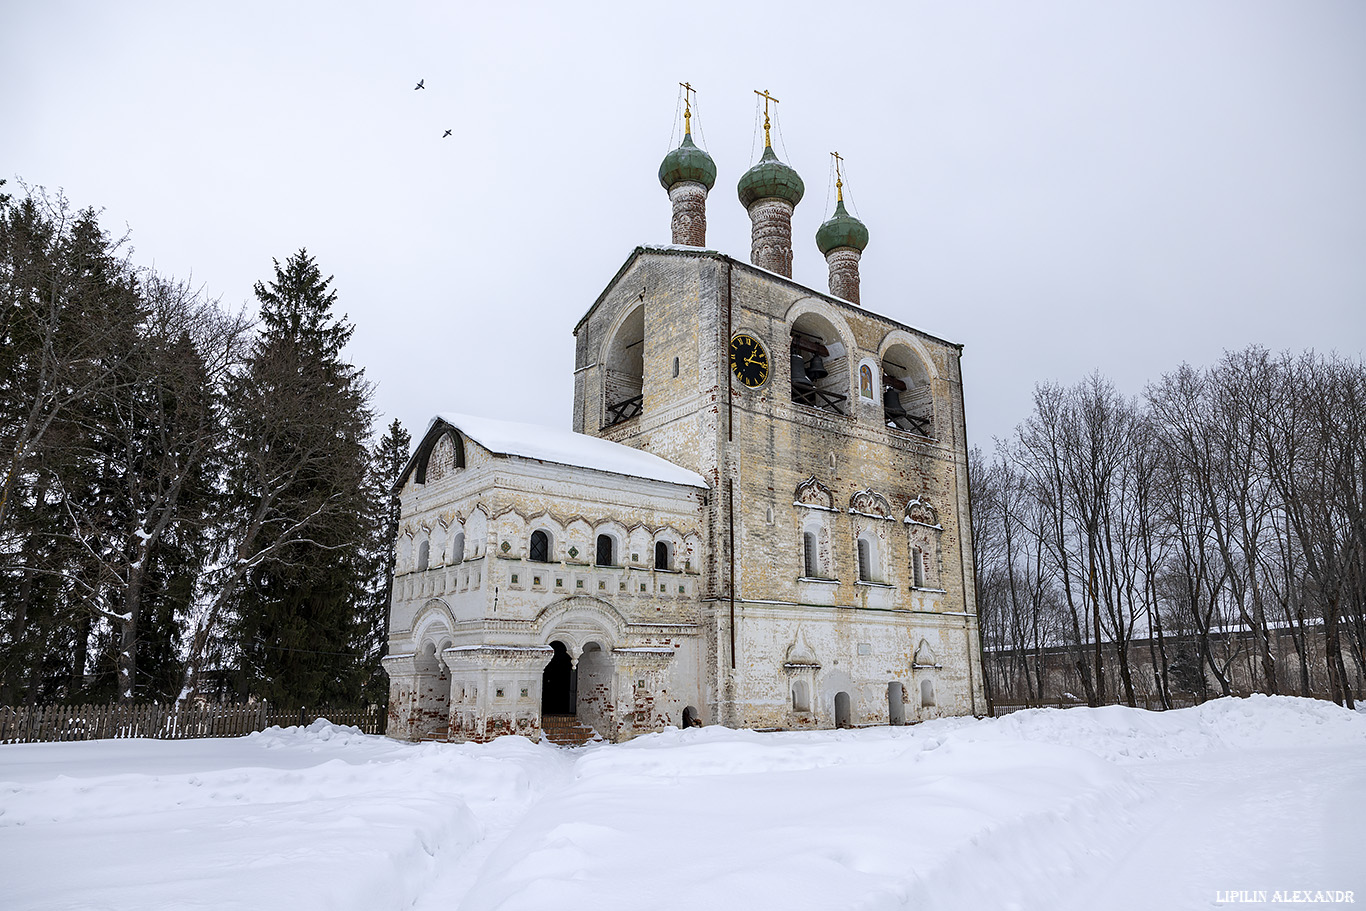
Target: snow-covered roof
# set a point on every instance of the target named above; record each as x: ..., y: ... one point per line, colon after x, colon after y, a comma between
x: 564, y: 447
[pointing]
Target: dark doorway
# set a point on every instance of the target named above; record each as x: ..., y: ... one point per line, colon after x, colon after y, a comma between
x: 841, y: 710
x: 557, y: 683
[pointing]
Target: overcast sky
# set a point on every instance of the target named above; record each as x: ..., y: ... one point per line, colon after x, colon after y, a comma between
x: 1060, y: 187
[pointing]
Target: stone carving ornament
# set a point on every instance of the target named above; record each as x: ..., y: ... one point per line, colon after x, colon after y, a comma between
x: 922, y: 513
x: 870, y: 503
x: 813, y: 493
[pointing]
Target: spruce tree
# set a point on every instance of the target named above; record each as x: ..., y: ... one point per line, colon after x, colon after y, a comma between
x: 387, y: 461
x: 300, y: 422
x: 69, y: 312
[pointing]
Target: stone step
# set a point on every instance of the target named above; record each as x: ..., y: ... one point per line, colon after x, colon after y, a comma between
x: 565, y: 730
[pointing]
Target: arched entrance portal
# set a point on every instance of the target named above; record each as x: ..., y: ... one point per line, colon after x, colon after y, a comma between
x: 559, y: 683
x: 432, y: 690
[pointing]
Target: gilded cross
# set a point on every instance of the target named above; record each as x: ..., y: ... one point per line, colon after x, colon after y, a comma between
x: 767, y: 98
x: 839, y: 181
x: 688, y: 92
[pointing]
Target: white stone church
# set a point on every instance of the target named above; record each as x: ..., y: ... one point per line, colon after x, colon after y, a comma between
x: 760, y: 519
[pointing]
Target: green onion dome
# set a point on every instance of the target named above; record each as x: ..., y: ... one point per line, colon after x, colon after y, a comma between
x: 687, y: 162
x: 841, y: 230
x: 770, y: 177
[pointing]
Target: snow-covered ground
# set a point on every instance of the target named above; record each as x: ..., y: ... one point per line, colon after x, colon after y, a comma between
x: 1048, y: 809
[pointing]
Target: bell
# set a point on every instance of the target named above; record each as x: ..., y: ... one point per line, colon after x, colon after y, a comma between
x: 799, y: 375
x: 891, y: 405
x: 816, y: 369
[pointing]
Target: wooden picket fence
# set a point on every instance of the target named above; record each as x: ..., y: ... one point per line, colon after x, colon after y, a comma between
x: 54, y: 723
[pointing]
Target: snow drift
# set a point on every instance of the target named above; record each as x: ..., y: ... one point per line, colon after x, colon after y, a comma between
x: 1041, y: 809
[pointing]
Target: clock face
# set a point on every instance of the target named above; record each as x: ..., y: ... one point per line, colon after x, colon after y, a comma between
x: 748, y: 360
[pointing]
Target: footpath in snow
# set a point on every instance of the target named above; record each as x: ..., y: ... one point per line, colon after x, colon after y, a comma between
x: 1046, y: 809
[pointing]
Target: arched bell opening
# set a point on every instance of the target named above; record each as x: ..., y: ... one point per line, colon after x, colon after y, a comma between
x: 624, y: 370
x: 907, y: 399
x: 842, y: 713
x: 559, y: 684
x: 819, y: 362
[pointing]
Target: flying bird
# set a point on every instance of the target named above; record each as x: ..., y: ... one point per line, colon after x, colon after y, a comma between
x: 419, y: 85
x: 445, y: 134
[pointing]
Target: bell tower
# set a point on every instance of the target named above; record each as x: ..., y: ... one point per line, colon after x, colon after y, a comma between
x: 826, y: 434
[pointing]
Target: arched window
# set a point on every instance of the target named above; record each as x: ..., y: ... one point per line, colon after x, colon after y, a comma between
x: 811, y: 568
x: 675, y: 366
x: 801, y: 697
x: 423, y: 552
x: 540, y: 547
x: 926, y: 693
x: 664, y: 555
x: 605, y: 547
x: 917, y: 568
x: 458, y: 547
x: 865, y: 560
